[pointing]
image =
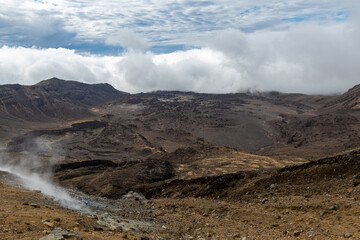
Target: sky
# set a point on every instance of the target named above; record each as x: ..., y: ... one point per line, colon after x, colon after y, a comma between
x: 224, y: 46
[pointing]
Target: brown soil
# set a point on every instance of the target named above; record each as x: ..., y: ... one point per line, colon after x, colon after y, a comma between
x: 24, y: 213
x: 281, y: 217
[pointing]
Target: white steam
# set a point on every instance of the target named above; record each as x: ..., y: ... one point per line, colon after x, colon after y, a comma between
x: 34, y: 181
x: 34, y: 173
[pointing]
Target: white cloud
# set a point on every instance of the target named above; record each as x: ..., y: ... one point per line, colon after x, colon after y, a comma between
x: 19, y: 26
x: 313, y: 56
x: 126, y: 38
x: 309, y: 58
x: 185, y: 22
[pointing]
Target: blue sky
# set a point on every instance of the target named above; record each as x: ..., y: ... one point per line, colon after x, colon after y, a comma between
x: 166, y: 26
x: 111, y: 32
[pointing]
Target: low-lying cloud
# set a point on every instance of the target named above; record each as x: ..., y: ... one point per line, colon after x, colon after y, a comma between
x: 307, y: 57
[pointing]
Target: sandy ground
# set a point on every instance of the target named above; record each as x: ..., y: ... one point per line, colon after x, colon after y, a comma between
x: 30, y: 215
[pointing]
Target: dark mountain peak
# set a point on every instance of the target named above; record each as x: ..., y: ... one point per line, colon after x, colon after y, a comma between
x: 347, y: 101
x: 352, y: 98
x: 69, y: 86
x: 51, y: 80
x: 57, y: 82
x: 55, y: 98
x: 354, y: 90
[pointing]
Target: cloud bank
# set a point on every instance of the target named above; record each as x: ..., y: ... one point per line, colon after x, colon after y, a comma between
x: 308, y: 57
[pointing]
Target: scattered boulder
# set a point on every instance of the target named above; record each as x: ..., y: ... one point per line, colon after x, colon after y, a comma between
x: 348, y: 235
x: 59, y: 234
x: 322, y: 213
x: 296, y: 233
x: 98, y: 229
x: 274, y: 225
x: 134, y: 196
x: 48, y: 223
x: 273, y: 186
x: 334, y: 207
x: 237, y: 235
x: 311, y: 233
x: 34, y: 205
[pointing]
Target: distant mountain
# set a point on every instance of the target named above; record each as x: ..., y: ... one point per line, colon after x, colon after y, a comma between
x: 54, y: 98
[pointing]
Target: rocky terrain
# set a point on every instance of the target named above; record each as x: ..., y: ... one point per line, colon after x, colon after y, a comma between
x: 181, y: 165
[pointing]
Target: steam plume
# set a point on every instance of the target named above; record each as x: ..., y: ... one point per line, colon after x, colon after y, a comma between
x: 27, y: 173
